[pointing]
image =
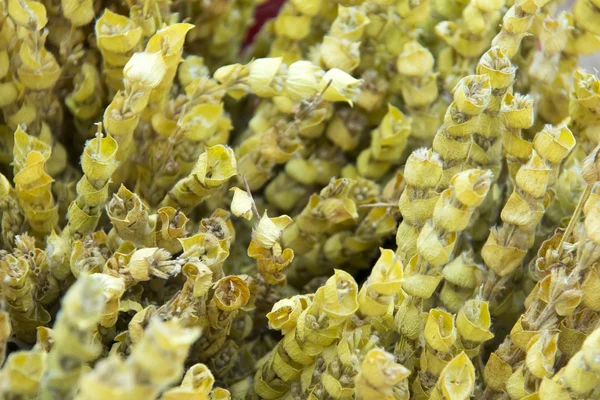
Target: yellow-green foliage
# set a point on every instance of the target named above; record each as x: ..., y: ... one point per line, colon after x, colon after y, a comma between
x: 375, y: 199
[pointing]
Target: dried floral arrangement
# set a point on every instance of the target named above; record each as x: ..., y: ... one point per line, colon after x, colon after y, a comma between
x: 370, y: 199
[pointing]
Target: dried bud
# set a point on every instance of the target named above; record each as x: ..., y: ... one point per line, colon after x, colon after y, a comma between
x: 349, y: 24
x: 310, y: 7
x: 241, y: 205
x: 169, y: 41
x: 268, y: 231
x: 145, y: 69
x: 78, y: 12
x: 192, y: 68
x: 262, y: 77
x: 170, y: 228
x: 302, y: 80
x: 415, y: 60
x: 592, y: 222
x: 434, y: 248
x: 215, y: 166
x: 462, y: 271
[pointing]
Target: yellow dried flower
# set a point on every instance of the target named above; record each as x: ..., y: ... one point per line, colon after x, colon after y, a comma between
x: 285, y: 312
x: 116, y: 33
x: 473, y: 321
x: 380, y: 376
x: 457, y: 380
x: 340, y: 86
x: 440, y: 331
